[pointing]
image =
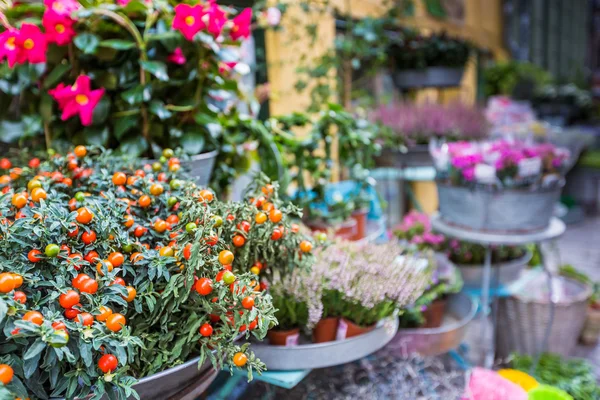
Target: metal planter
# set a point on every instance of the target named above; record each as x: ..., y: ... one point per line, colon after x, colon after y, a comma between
x: 415, y: 156
x: 460, y: 310
x: 498, y: 211
x: 328, y: 354
x: 201, y: 166
x: 428, y: 77
x: 508, y: 272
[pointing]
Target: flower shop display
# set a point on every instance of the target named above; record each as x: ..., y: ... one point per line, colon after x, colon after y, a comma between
x: 574, y: 376
x: 310, y: 167
x: 565, y: 103
x: 517, y: 79
x: 136, y: 76
x: 469, y: 258
x: 501, y: 186
x: 436, y: 60
x: 110, y: 274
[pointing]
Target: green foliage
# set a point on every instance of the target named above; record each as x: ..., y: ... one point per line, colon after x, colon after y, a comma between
x: 338, y: 305
x: 574, y: 376
x: 290, y: 313
x: 509, y: 78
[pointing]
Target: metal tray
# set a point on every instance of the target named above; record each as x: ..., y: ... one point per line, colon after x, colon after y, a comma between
x: 321, y: 355
x: 461, y: 310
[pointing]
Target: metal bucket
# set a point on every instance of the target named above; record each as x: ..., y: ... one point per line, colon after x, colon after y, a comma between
x: 523, y: 322
x: 415, y: 156
x: 508, y: 272
x: 201, y: 166
x: 500, y: 211
x: 328, y: 354
x: 428, y: 77
x: 460, y: 310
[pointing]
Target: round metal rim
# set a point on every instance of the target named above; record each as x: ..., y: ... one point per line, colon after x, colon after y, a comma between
x: 523, y: 260
x: 169, y: 371
x: 497, y: 190
x: 204, y: 156
x: 449, y: 327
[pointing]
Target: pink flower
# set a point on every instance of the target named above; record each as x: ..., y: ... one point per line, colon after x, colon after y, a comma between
x: 177, y: 57
x: 189, y: 20
x: 123, y: 3
x: 469, y: 173
x: 273, y: 16
x: 77, y: 99
x: 59, y: 28
x: 8, y: 46
x: 226, y: 66
x: 31, y: 44
x: 62, y: 7
x: 241, y: 25
x: 216, y: 19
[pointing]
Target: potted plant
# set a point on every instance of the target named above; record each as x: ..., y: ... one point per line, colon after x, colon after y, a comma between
x: 136, y: 76
x: 364, y: 284
x: 412, y: 126
x: 291, y: 314
x: 312, y: 160
x: 469, y: 258
x: 101, y: 264
x: 479, y: 184
x: 428, y: 61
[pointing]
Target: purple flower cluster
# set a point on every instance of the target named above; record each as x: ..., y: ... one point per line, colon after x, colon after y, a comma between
x: 508, y: 158
x: 370, y: 274
x: 418, y: 123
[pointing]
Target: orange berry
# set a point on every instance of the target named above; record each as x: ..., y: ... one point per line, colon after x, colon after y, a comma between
x: 119, y: 178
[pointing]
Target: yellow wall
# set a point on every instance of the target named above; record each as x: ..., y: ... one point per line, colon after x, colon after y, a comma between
x: 482, y: 25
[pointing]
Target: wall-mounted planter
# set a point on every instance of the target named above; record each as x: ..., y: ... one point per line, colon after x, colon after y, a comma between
x: 429, y: 77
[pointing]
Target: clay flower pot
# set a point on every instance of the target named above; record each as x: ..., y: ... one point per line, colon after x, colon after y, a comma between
x: 434, y: 314
x: 360, y: 217
x: 284, y: 338
x: 325, y: 330
x: 348, y: 329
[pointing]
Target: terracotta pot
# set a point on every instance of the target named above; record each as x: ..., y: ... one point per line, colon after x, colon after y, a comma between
x: 345, y: 230
x: 325, y: 330
x: 287, y: 338
x: 434, y: 314
x: 360, y: 217
x: 348, y: 329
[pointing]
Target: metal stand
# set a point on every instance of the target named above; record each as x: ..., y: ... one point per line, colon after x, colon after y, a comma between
x: 555, y: 229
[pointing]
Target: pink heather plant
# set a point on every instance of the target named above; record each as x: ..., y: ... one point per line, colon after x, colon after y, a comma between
x: 418, y: 124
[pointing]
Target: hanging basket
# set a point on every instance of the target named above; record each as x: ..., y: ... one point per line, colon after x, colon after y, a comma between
x: 415, y: 156
x: 509, y: 272
x: 440, y: 77
x: 498, y: 211
x: 201, y: 166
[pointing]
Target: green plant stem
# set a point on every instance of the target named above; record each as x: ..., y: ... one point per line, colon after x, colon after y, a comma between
x: 47, y: 136
x: 198, y: 95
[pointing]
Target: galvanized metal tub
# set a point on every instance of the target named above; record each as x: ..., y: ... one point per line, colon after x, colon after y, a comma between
x: 508, y: 272
x: 329, y: 354
x: 523, y: 322
x: 414, y: 156
x: 498, y: 211
x: 460, y: 310
x: 200, y: 167
x: 428, y: 77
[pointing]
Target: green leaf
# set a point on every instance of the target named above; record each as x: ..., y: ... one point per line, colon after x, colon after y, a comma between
x: 3, y: 310
x: 158, y: 108
x: 117, y: 44
x: 133, y: 146
x: 30, y: 365
x: 54, y: 76
x: 36, y: 348
x: 156, y: 68
x: 96, y: 136
x: 137, y: 95
x: 192, y: 142
x: 135, y: 6
x: 101, y: 111
x: 10, y: 131
x: 86, y: 42
x: 46, y: 107
x: 123, y: 124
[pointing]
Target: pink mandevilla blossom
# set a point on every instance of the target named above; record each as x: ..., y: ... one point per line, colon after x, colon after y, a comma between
x: 8, y: 46
x: 189, y: 20
x: 241, y: 25
x: 177, y: 57
x: 59, y: 28
x: 31, y: 44
x: 77, y: 99
x: 62, y: 7
x: 226, y: 66
x: 216, y: 19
